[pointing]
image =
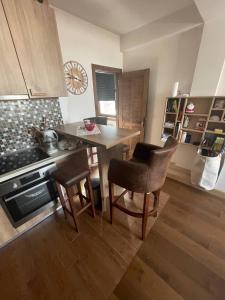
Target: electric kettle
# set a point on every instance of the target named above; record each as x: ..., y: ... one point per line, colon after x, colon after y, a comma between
x: 50, y: 140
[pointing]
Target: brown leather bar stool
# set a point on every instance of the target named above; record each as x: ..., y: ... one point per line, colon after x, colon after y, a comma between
x: 144, y: 173
x: 69, y: 175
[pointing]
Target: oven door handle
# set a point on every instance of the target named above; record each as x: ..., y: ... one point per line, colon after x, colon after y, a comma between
x: 30, y: 189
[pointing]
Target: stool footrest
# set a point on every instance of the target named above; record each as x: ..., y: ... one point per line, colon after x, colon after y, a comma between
x: 79, y: 211
x: 83, y: 208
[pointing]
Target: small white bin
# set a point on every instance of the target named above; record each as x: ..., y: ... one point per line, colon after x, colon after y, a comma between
x: 205, y: 171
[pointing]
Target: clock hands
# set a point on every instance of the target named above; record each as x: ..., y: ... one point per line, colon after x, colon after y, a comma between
x: 73, y: 77
x: 76, y: 77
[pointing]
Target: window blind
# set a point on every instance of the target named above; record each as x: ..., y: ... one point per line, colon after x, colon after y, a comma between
x: 105, y: 87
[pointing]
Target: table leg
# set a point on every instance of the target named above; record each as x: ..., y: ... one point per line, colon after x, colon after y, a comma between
x: 104, y: 157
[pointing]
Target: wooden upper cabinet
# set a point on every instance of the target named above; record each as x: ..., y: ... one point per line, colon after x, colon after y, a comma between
x: 34, y: 32
x: 11, y: 78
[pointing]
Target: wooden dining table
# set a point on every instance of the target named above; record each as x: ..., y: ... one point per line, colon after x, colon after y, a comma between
x: 109, y: 145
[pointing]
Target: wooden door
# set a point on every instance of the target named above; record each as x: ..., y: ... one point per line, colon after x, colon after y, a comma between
x: 11, y: 78
x: 33, y: 28
x: 133, y: 97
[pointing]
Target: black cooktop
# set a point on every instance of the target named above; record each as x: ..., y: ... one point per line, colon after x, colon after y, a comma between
x: 20, y: 159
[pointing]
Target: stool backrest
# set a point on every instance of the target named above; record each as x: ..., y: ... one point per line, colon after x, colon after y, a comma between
x: 159, y: 161
x: 77, y: 160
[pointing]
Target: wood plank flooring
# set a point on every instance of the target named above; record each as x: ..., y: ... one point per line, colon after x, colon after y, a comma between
x: 183, y: 257
x: 52, y: 261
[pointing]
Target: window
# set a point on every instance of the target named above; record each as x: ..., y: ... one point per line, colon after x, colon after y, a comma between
x: 106, y: 92
x: 105, y: 81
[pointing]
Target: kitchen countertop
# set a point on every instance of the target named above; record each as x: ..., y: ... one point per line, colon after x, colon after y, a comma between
x: 60, y: 154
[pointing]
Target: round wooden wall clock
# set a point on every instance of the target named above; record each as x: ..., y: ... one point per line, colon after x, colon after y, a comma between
x: 76, y: 78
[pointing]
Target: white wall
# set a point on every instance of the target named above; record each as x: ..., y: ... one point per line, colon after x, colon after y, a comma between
x: 211, y: 58
x: 87, y: 44
x: 221, y: 84
x: 169, y: 59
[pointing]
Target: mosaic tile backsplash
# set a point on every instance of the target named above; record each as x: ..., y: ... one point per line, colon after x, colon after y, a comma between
x: 16, y: 117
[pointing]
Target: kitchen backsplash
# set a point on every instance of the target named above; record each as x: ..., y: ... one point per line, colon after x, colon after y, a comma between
x: 16, y: 117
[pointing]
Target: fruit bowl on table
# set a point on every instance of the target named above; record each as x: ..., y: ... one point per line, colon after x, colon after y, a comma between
x: 89, y: 126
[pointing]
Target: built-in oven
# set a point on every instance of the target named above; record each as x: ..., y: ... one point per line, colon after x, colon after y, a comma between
x: 25, y: 196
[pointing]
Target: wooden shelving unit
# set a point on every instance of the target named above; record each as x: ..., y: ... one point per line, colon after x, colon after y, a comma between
x: 216, y: 121
x: 192, y: 130
x: 173, y: 117
x: 199, y: 126
x: 195, y: 115
x: 213, y: 132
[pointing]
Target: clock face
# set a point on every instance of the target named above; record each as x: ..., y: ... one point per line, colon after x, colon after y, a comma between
x: 76, y: 78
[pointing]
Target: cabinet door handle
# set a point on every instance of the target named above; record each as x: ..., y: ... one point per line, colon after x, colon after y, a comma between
x: 37, y: 94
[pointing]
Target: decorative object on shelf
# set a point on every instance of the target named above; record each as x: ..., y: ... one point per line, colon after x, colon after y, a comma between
x: 76, y: 77
x: 172, y: 106
x: 215, y: 118
x: 165, y: 136
x: 188, y: 138
x: 218, y: 144
x: 200, y: 124
x: 169, y: 125
x: 218, y: 130
x: 190, y: 108
x: 186, y: 122
x: 207, y: 142
x: 175, y: 106
x: 175, y: 89
x: 183, y: 137
x: 219, y: 104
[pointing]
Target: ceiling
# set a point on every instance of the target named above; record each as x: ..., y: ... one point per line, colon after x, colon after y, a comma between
x: 210, y: 9
x: 121, y: 16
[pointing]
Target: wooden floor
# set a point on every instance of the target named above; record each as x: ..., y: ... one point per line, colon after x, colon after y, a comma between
x: 183, y: 257
x: 52, y: 261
